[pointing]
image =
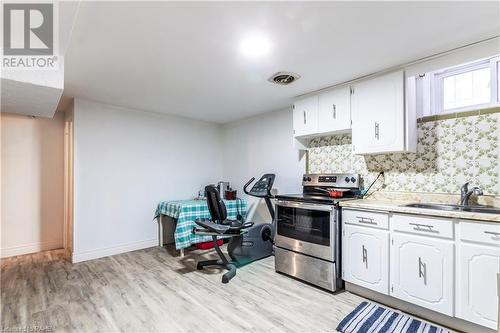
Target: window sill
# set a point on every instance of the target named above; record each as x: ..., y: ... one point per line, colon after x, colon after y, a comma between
x: 464, y: 113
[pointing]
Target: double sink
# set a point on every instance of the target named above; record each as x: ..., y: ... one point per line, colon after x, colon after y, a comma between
x: 456, y: 208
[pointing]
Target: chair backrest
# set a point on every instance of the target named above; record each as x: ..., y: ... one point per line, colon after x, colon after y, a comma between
x: 216, y: 206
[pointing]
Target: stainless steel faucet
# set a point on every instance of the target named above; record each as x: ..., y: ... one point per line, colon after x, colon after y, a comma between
x: 465, y: 193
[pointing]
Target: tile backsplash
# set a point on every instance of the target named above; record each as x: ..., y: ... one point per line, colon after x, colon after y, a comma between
x: 449, y: 153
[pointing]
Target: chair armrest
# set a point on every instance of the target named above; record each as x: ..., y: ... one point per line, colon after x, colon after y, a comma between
x: 220, y: 229
x: 212, y: 227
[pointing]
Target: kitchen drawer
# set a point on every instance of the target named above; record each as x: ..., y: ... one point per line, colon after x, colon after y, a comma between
x: 366, y: 218
x: 488, y: 233
x: 423, y: 225
x: 313, y: 270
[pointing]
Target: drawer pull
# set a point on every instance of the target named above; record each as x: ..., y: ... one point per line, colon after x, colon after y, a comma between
x: 421, y: 227
x: 496, y: 234
x: 365, y: 220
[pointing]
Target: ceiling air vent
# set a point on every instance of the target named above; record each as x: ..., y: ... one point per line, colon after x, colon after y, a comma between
x: 284, y: 78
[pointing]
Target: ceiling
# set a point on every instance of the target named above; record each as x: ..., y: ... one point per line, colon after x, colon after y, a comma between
x: 186, y: 59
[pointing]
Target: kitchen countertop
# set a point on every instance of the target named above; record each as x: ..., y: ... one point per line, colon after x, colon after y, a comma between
x: 396, y: 207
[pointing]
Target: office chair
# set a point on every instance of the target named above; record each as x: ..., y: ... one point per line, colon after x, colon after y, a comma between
x: 219, y: 226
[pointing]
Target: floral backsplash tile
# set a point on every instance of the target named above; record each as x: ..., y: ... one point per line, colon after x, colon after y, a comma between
x: 449, y: 153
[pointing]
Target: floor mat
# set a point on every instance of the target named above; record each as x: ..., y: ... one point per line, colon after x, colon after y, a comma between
x: 372, y: 318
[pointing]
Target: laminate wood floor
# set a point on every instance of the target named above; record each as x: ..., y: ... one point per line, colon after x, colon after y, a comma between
x: 156, y: 290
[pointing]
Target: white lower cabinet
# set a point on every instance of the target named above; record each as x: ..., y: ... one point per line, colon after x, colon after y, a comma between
x: 442, y: 264
x: 477, y: 274
x: 365, y: 254
x: 422, y: 271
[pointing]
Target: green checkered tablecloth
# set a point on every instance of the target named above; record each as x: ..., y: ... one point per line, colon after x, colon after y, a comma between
x: 187, y: 211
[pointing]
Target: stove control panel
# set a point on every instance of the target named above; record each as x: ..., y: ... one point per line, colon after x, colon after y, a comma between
x: 340, y: 180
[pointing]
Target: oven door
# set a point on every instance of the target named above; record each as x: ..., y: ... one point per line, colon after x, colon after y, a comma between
x: 306, y: 228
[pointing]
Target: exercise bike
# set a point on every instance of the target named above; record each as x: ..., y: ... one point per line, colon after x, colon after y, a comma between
x: 249, y: 242
x: 257, y: 242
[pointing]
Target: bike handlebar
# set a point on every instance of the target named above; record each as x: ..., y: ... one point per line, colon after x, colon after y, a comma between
x: 246, y: 185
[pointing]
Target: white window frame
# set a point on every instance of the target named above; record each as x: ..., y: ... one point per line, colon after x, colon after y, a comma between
x: 437, y: 79
x: 495, y: 69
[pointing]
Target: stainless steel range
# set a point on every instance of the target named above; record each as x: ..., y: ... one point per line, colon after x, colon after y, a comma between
x: 307, y: 240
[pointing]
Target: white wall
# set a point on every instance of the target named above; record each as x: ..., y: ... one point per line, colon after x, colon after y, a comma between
x: 125, y: 162
x: 258, y: 145
x: 31, y: 184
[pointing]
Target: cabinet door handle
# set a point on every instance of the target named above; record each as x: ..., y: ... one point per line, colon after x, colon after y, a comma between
x: 377, y: 131
x: 334, y: 111
x: 492, y: 233
x: 422, y: 270
x: 365, y: 255
x: 305, y: 120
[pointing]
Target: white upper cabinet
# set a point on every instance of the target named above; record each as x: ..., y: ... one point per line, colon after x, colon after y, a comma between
x: 334, y: 112
x: 383, y: 120
x: 380, y: 121
x: 305, y: 116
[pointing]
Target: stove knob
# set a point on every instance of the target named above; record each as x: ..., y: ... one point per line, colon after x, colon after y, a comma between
x: 309, y: 179
x: 353, y: 179
x: 347, y: 180
x: 304, y: 178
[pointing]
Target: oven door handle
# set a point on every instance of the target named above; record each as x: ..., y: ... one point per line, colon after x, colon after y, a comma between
x: 326, y: 208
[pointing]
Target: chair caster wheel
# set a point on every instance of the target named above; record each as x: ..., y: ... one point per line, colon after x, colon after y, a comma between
x: 225, y: 279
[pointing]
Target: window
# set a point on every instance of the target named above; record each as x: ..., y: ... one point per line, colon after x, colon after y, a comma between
x: 466, y: 89
x: 462, y: 88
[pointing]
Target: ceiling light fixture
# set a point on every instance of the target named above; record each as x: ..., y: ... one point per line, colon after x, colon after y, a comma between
x: 255, y: 46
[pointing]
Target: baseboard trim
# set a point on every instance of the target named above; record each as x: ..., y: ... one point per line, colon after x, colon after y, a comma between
x: 30, y: 248
x: 109, y: 251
